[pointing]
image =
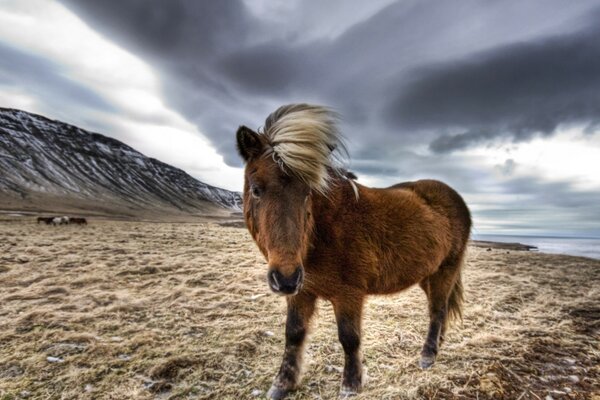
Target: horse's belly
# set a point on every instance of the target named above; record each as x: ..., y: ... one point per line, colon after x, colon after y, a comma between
x: 395, y: 278
x: 389, y: 287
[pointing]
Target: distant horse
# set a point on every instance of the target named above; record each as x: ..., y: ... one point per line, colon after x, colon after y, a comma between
x: 325, y: 236
x: 78, y: 221
x: 60, y: 221
x: 46, y: 220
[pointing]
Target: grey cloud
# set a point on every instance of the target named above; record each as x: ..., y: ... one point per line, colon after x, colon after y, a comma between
x: 201, y: 51
x: 221, y: 65
x: 267, y: 68
x: 513, y: 202
x: 182, y: 29
x: 515, y: 91
x: 508, y: 168
x: 520, y: 69
x: 539, y: 206
x: 408, y: 165
x: 45, y: 79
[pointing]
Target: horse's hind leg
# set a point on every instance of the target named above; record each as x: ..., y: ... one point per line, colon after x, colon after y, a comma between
x: 348, y: 314
x: 300, y: 309
x: 439, y: 288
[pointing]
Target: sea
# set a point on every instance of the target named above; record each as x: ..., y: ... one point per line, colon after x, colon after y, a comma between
x: 575, y: 246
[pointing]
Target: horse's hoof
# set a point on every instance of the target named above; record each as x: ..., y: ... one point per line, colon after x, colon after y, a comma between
x: 277, y: 393
x: 347, y: 392
x: 426, y: 362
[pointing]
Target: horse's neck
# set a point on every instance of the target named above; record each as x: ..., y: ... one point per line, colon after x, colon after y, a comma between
x: 340, y: 198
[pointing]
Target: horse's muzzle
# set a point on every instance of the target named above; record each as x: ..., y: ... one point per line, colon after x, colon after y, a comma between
x: 287, y: 285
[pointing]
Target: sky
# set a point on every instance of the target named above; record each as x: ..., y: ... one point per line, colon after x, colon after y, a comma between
x: 501, y: 100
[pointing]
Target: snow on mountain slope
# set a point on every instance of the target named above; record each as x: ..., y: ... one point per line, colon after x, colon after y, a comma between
x: 40, y: 157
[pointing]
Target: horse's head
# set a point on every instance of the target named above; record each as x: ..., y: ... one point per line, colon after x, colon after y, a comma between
x: 285, y: 165
x: 277, y: 211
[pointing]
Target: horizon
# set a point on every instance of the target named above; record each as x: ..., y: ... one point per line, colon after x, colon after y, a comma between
x: 498, y: 102
x: 536, y: 236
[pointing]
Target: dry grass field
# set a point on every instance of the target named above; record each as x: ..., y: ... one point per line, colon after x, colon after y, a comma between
x: 139, y: 310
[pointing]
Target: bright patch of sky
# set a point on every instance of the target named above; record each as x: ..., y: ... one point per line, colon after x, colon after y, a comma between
x: 571, y: 155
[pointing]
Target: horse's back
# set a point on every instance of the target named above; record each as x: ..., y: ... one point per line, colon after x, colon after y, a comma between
x: 446, y: 201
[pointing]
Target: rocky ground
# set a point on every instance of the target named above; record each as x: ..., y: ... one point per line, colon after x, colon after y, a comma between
x: 141, y: 310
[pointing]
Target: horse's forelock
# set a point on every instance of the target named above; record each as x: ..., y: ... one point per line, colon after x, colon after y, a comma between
x: 305, y: 140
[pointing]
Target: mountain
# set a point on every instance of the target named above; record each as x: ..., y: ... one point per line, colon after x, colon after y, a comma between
x: 48, y: 165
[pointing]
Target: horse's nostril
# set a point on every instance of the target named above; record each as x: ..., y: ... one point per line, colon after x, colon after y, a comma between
x: 273, y: 282
x: 299, y: 274
x: 285, y: 284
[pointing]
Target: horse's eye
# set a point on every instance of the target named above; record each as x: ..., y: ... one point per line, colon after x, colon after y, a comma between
x: 256, y: 192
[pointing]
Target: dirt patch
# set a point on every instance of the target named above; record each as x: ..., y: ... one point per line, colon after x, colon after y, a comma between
x: 586, y: 318
x: 170, y: 368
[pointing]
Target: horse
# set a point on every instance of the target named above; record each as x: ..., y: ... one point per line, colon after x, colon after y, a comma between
x: 60, y: 220
x: 323, y: 235
x: 46, y: 220
x: 78, y: 221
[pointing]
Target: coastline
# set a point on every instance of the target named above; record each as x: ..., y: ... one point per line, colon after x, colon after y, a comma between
x: 502, y: 245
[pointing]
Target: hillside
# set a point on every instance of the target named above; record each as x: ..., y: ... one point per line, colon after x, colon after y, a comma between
x: 48, y: 165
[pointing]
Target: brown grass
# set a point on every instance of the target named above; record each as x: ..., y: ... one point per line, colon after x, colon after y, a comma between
x: 134, y: 310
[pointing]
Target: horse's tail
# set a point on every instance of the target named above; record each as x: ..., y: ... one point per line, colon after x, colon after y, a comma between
x: 455, y: 301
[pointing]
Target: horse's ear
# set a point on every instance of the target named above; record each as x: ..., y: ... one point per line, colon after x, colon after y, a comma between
x: 248, y: 143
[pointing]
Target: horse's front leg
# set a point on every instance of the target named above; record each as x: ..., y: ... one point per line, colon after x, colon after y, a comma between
x: 348, y: 314
x: 300, y: 309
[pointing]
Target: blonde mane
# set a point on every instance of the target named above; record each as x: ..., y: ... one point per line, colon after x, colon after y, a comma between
x: 306, y: 142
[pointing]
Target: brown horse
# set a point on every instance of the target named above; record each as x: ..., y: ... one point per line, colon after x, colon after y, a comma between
x: 325, y: 236
x: 46, y: 220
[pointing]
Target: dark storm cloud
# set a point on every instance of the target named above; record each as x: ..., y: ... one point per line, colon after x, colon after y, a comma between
x: 208, y: 55
x: 266, y: 68
x: 173, y: 30
x: 222, y: 65
x: 519, y: 69
x: 41, y: 77
x: 514, y: 91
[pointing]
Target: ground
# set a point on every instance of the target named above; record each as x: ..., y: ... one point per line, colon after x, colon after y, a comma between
x: 141, y: 310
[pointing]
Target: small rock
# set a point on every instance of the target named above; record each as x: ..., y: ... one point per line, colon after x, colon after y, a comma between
x: 54, y: 359
x: 88, y: 388
x: 256, y: 392
x: 269, y: 333
x: 65, y: 349
x: 148, y: 384
x: 24, y: 394
x: 333, y: 368
x: 569, y: 361
x: 574, y: 378
x: 116, y: 339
